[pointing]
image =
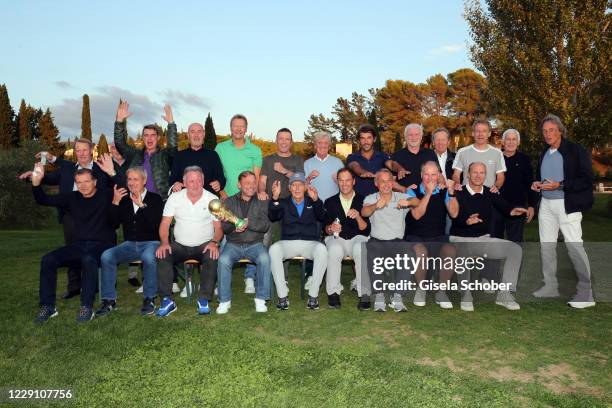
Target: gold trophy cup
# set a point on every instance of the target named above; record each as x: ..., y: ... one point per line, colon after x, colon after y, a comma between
x: 216, y: 207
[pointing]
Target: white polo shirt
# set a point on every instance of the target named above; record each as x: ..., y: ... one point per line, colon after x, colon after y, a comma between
x: 193, y: 222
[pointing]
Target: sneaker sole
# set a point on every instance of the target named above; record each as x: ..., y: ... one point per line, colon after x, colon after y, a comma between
x: 580, y: 305
x: 467, y: 308
x: 169, y: 313
x: 419, y: 304
x: 444, y: 305
x: 502, y: 304
x: 147, y: 313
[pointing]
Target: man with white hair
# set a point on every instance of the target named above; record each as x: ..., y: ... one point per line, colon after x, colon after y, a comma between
x: 197, y: 235
x: 516, y: 189
x: 565, y: 180
x: 321, y: 169
x: 407, y: 162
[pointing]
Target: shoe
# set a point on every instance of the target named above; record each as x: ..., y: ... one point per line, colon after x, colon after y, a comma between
x: 260, y: 306
x: 442, y: 300
x: 249, y: 286
x: 148, y: 307
x: 166, y: 307
x: 379, y: 303
x: 106, y: 307
x: 364, y: 303
x: 334, y: 301
x: 283, y: 304
x: 175, y: 287
x: 224, y: 307
x: 353, y: 286
x: 308, y: 283
x: 203, y: 307
x: 506, y: 300
x: 420, y: 298
x: 85, y: 314
x: 71, y: 293
x: 184, y: 291
x: 134, y: 282
x: 582, y: 302
x: 467, y: 304
x: 485, y: 281
x: 547, y: 291
x: 139, y: 290
x: 45, y: 313
x: 313, y: 303
x: 397, y: 304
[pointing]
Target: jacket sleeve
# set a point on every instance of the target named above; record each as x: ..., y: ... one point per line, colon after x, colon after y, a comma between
x: 502, y: 205
x: 114, y: 215
x: 329, y: 215
x: 42, y: 198
x: 172, y: 143
x: 260, y: 221
x: 584, y: 174
x: 219, y: 175
x: 532, y: 196
x: 275, y: 210
x: 319, y: 210
x: 121, y: 144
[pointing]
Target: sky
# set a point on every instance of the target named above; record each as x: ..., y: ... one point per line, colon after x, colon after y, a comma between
x: 275, y: 62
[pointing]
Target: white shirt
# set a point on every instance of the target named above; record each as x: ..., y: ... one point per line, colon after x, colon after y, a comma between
x: 193, y: 222
x: 472, y: 192
x: 442, y: 161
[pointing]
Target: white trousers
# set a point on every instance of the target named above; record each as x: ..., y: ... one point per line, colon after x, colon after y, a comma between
x: 281, y: 250
x: 338, y: 248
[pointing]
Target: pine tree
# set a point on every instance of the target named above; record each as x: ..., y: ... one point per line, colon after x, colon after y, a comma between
x: 210, y: 138
x: 102, y: 145
x: 34, y: 117
x: 24, y: 131
x: 398, y: 142
x: 7, y: 119
x: 373, y: 120
x: 49, y: 134
x: 86, y: 119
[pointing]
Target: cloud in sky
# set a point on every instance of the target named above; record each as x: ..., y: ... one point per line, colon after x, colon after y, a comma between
x: 64, y: 84
x: 103, y: 106
x: 445, y: 50
x: 176, y: 98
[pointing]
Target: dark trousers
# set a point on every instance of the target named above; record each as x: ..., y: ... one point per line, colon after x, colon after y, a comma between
x: 84, y: 255
x: 74, y: 272
x: 180, y: 253
x: 512, y: 227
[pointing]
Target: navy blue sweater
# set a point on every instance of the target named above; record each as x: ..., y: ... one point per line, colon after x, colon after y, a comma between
x: 293, y: 226
x: 481, y: 204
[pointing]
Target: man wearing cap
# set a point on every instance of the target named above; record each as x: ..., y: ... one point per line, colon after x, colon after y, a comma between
x: 299, y: 215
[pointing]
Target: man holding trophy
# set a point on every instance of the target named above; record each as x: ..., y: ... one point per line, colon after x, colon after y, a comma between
x: 244, y: 240
x: 197, y: 234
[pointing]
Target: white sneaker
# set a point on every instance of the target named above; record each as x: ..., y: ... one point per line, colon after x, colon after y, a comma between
x: 485, y: 281
x: 139, y: 290
x: 175, y: 287
x: 467, y: 306
x: 249, y: 286
x: 308, y: 283
x: 354, y: 285
x: 506, y: 300
x: 546, y: 291
x: 224, y: 307
x: 420, y: 298
x: 397, y: 304
x: 260, y: 306
x: 379, y: 303
x: 442, y: 300
x: 580, y: 304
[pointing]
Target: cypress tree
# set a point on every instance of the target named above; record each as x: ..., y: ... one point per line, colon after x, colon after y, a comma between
x: 86, y: 119
x: 210, y: 136
x: 24, y: 131
x: 7, y: 119
x: 398, y: 142
x: 49, y: 134
x: 102, y: 145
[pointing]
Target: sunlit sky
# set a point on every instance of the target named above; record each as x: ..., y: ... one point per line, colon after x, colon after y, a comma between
x: 276, y: 62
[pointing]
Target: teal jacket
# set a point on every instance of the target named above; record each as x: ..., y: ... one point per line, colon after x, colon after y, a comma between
x: 161, y: 160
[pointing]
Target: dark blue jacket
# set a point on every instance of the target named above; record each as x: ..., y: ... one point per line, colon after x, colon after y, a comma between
x: 293, y: 226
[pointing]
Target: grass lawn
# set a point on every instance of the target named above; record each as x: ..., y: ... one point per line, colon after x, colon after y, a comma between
x: 544, y: 355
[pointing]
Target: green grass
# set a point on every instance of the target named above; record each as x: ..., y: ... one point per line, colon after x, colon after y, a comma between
x: 544, y: 355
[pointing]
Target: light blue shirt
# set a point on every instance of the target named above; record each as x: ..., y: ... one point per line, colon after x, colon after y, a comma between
x: 552, y: 169
x: 325, y: 182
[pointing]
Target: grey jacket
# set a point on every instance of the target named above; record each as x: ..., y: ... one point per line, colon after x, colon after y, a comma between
x: 257, y: 217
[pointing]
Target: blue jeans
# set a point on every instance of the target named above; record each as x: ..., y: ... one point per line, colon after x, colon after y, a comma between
x: 232, y: 253
x: 126, y: 252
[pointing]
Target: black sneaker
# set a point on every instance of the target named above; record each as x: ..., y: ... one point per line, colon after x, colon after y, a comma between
x: 134, y: 282
x: 85, y: 314
x: 334, y: 301
x: 313, y: 303
x: 45, y: 313
x: 148, y: 307
x: 106, y: 307
x: 364, y: 303
x: 283, y: 304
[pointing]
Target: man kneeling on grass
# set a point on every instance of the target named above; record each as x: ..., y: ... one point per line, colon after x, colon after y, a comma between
x: 245, y: 242
x: 197, y: 234
x: 299, y: 215
x: 89, y: 208
x: 139, y: 211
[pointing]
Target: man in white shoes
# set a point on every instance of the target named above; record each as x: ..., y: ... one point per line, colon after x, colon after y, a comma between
x: 565, y: 181
x: 471, y: 210
x: 245, y: 242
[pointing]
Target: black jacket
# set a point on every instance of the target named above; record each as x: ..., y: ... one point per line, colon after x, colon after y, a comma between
x: 258, y: 223
x: 577, y: 174
x: 448, y: 166
x: 293, y: 226
x: 350, y: 228
x: 142, y: 225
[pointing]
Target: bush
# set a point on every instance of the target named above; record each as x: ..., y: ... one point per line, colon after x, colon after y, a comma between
x: 17, y: 205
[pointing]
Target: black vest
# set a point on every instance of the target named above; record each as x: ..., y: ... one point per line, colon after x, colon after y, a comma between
x: 433, y: 222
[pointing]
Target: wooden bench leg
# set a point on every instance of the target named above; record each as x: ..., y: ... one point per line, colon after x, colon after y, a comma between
x: 303, y: 279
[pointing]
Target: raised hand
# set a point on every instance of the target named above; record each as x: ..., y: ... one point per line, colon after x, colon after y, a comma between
x: 215, y: 185
x: 177, y: 186
x: 167, y: 116
x: 312, y: 192
x: 313, y: 175
x: 105, y: 161
x: 50, y: 157
x: 118, y: 194
x: 37, y: 174
x: 136, y: 199
x: 276, y: 190
x: 352, y: 214
x: 381, y: 203
x: 123, y: 111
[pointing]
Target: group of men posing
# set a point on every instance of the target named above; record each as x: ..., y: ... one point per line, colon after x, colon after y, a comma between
x: 427, y: 198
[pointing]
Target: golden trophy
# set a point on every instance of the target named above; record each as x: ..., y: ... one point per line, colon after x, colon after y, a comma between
x: 216, y: 207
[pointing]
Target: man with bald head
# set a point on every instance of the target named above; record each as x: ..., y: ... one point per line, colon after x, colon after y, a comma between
x: 198, y: 155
